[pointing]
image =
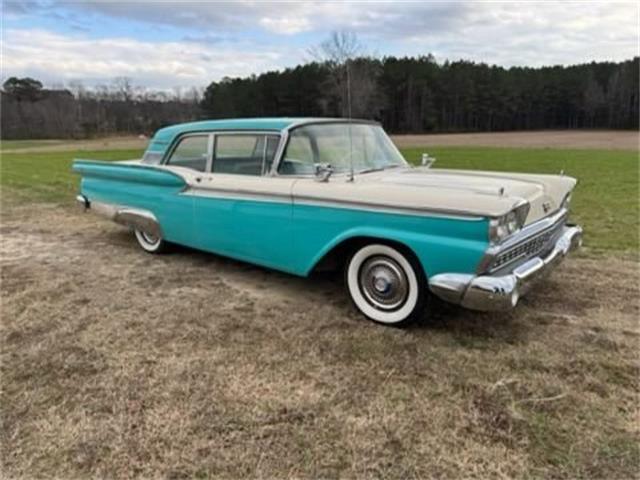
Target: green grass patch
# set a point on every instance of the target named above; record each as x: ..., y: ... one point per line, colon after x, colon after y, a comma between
x: 48, y: 176
x: 605, y: 202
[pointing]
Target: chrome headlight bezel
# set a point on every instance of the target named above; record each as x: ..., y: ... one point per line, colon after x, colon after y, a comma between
x: 503, y: 227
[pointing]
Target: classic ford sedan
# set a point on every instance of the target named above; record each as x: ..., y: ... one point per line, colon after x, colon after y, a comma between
x: 301, y: 194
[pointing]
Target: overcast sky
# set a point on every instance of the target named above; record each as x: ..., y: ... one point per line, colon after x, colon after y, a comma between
x: 163, y: 44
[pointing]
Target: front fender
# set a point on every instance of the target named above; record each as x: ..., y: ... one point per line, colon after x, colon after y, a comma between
x: 440, y: 244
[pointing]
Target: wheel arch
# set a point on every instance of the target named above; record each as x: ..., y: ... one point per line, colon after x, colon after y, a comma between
x: 336, y: 253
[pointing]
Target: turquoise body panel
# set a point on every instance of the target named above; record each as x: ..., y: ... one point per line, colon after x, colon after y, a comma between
x: 155, y: 190
x: 441, y: 244
x: 283, y: 235
x: 254, y: 231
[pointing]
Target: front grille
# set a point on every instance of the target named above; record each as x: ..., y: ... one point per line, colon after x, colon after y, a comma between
x: 528, y: 248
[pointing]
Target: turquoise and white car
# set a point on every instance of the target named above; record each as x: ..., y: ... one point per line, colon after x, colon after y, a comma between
x: 301, y: 194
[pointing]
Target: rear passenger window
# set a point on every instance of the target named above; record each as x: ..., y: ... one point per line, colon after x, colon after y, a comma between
x: 191, y: 152
x: 244, y: 154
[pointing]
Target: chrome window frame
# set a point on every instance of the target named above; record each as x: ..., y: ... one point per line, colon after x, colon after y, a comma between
x: 211, y: 134
x: 286, y: 133
x: 262, y: 133
x: 176, y: 142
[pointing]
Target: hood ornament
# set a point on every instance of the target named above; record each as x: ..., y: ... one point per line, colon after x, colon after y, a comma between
x: 501, y: 191
x: 546, y: 206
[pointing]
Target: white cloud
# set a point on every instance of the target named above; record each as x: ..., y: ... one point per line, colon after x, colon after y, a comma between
x: 391, y: 17
x: 54, y: 58
x: 285, y: 25
x: 220, y: 38
x: 537, y: 34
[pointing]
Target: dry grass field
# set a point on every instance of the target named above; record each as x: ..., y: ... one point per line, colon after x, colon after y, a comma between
x: 119, y: 364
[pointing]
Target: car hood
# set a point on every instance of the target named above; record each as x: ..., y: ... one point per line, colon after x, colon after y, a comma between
x: 545, y: 193
x: 482, y: 193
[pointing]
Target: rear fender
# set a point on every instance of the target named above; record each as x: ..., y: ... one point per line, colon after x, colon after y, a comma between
x: 139, y: 196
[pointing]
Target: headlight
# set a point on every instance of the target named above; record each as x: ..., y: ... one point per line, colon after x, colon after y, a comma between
x: 567, y: 201
x: 500, y: 228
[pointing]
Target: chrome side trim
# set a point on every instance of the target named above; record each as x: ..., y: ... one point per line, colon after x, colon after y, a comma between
x: 502, y: 292
x: 139, y: 219
x: 130, y: 217
x: 252, y: 195
x: 373, y: 207
x: 233, y: 194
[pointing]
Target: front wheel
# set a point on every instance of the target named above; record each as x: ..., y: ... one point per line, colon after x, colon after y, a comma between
x: 385, y: 284
x: 149, y: 242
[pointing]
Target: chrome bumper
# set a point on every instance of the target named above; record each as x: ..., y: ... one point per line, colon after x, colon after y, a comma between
x: 502, y: 292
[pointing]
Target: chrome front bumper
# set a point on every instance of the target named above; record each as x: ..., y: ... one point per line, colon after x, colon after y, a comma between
x: 502, y: 292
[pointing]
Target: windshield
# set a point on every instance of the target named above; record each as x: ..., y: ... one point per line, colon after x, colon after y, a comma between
x: 341, y: 145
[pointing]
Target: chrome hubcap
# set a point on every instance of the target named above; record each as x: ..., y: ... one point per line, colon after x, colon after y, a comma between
x: 383, y: 283
x: 152, y: 239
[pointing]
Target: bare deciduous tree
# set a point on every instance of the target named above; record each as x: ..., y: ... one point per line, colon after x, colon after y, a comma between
x: 77, y: 88
x: 123, y: 88
x: 353, y: 76
x: 338, y: 49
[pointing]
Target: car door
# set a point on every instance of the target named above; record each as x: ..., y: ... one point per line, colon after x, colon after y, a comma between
x: 189, y: 159
x: 239, y: 209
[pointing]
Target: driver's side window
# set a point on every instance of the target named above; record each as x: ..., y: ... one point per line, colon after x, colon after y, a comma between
x: 298, y: 158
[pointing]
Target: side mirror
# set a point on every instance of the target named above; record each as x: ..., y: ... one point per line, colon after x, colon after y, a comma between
x: 323, y: 171
x: 427, y: 161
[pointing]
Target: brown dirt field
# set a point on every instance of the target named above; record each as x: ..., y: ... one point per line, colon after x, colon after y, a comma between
x: 587, y: 139
x: 107, y: 143
x: 120, y: 364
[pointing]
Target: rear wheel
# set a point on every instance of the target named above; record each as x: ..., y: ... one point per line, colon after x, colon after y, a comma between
x: 387, y: 285
x: 149, y: 242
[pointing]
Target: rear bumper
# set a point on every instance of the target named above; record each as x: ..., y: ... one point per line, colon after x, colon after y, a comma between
x: 502, y: 292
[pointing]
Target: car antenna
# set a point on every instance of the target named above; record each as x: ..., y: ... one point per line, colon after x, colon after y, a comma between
x: 351, y: 176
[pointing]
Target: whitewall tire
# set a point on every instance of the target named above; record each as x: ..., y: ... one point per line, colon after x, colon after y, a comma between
x: 150, y: 243
x: 385, y: 284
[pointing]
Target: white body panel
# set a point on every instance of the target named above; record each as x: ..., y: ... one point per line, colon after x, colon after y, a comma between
x: 455, y: 192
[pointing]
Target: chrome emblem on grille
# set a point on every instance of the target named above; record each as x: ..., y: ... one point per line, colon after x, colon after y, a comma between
x: 546, y: 206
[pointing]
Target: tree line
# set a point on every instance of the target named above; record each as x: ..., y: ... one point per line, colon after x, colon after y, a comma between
x: 414, y: 95
x: 30, y: 111
x: 407, y: 95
